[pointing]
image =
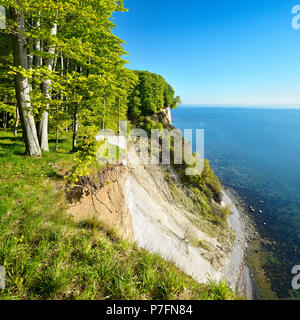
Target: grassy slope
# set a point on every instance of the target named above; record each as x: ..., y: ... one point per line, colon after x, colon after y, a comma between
x: 48, y: 256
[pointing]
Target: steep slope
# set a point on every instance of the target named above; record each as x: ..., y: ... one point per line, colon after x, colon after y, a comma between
x: 141, y: 205
x: 161, y: 227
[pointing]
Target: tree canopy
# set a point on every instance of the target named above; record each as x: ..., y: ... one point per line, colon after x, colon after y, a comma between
x: 151, y: 95
x: 63, y: 68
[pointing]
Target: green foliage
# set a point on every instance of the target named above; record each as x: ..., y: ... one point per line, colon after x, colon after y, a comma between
x: 206, y: 189
x: 148, y: 124
x: 222, y: 291
x: 212, y: 182
x: 87, y: 79
x: 81, y: 66
x: 200, y: 243
x: 207, y: 182
x: 85, y: 158
x: 150, y: 96
x: 219, y: 214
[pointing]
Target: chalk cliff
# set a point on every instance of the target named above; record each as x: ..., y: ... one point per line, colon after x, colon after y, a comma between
x: 141, y: 204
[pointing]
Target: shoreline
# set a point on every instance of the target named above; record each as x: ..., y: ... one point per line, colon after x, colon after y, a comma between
x: 237, y: 271
x: 254, y: 253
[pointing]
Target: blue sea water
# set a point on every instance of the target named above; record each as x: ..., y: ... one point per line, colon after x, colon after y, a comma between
x: 257, y: 153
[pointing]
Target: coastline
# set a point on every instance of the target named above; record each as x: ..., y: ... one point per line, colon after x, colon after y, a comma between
x: 237, y: 271
x: 254, y: 252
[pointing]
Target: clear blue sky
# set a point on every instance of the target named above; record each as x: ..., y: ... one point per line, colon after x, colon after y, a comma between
x: 216, y: 51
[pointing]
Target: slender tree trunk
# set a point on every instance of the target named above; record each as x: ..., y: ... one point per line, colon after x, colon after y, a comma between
x: 88, y: 70
x: 104, y: 111
x: 67, y: 126
x: 75, y: 127
x: 22, y: 87
x: 119, y: 118
x: 46, y: 88
x: 5, y: 116
x: 56, y: 140
x: 55, y: 63
x: 37, y: 60
x: 57, y: 108
x: 17, y: 122
x: 75, y: 118
x: 67, y: 67
x: 43, y: 131
x: 30, y: 59
x: 30, y: 63
x: 4, y: 119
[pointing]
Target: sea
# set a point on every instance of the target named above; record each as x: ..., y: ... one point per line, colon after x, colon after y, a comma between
x: 256, y: 152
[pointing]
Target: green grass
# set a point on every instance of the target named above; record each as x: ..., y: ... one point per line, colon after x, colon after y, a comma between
x: 48, y: 256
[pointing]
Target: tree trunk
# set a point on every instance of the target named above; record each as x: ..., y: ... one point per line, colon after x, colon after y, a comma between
x: 57, y: 109
x: 75, y: 127
x: 75, y: 119
x: 56, y: 140
x: 43, y: 131
x: 17, y: 122
x: 54, y: 64
x: 30, y: 59
x: 37, y: 60
x: 119, y: 118
x: 46, y: 88
x: 104, y: 111
x: 4, y: 119
x: 67, y: 109
x: 22, y: 87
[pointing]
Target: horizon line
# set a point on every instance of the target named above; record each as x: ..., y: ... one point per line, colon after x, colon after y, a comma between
x: 258, y: 106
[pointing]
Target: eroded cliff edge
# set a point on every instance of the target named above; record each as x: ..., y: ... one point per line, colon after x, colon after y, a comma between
x: 149, y: 205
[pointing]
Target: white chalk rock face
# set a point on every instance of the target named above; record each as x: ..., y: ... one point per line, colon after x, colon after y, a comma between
x: 156, y: 229
x: 160, y: 227
x: 168, y: 115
